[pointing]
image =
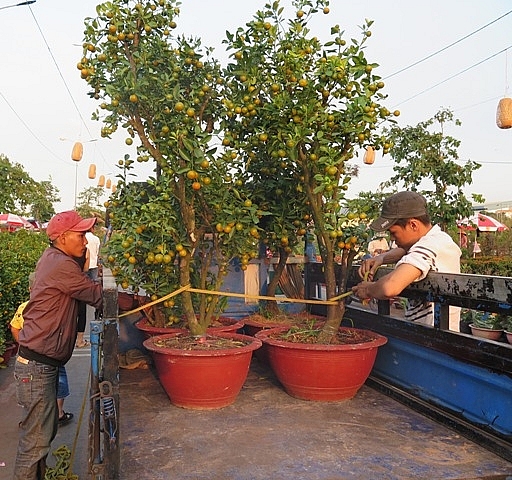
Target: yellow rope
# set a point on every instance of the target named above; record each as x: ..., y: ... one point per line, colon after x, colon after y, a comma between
x: 331, y: 301
x: 339, y: 297
x: 150, y: 304
x: 263, y: 297
x: 65, y: 457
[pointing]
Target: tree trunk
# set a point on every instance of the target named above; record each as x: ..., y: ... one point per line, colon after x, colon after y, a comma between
x: 271, y: 305
x: 334, y: 312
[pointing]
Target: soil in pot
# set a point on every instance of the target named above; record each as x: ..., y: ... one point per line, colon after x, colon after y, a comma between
x: 312, y: 371
x: 203, y: 373
x: 256, y: 322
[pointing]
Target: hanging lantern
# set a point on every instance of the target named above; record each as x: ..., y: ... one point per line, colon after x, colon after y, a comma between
x: 77, y: 152
x: 504, y: 113
x: 101, y: 181
x: 114, y: 188
x: 369, y: 156
x: 108, y: 184
x: 92, y: 170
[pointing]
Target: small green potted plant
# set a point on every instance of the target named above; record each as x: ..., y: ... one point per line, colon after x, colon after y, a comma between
x: 485, y: 324
x: 506, y: 323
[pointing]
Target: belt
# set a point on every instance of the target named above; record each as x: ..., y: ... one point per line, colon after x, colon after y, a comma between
x: 22, y: 360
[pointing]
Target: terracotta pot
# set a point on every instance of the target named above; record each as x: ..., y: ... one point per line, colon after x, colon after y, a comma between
x: 321, y: 372
x: 488, y: 333
x: 252, y: 325
x: 225, y: 324
x: 202, y: 379
x: 150, y: 331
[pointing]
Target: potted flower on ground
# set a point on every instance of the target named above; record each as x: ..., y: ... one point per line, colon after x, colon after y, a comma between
x: 183, y: 226
x: 299, y: 111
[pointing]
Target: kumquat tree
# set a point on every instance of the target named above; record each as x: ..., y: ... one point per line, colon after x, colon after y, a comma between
x: 186, y: 223
x: 298, y: 111
x: 258, y: 151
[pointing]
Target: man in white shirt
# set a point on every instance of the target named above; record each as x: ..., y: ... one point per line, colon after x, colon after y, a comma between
x: 421, y: 247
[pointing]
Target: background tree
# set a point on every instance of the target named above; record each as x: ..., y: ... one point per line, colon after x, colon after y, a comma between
x: 44, y: 196
x: 89, y: 203
x: 426, y: 161
x: 16, y: 187
x: 21, y: 194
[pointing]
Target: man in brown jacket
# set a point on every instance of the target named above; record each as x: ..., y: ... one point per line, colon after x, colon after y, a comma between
x: 48, y: 338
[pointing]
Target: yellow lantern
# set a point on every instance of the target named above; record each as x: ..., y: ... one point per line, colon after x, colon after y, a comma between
x: 101, y: 181
x: 108, y: 184
x: 504, y: 113
x: 77, y: 152
x: 369, y: 156
x: 92, y: 170
x: 114, y: 188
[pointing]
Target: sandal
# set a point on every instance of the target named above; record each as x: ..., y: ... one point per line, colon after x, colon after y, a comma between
x: 65, y: 419
x: 83, y: 345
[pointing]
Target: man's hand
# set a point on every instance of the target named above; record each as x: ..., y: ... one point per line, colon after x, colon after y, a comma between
x: 369, y: 267
x: 362, y: 290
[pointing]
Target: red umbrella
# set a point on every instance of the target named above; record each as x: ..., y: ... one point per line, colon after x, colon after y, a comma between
x: 482, y: 222
x: 12, y: 221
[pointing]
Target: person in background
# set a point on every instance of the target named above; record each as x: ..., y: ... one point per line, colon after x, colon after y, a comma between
x: 420, y: 248
x: 63, y: 386
x: 378, y: 245
x: 48, y: 336
x: 310, y: 248
x: 81, y: 342
x: 89, y: 264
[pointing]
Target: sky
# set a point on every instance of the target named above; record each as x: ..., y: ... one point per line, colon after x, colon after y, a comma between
x: 45, y: 109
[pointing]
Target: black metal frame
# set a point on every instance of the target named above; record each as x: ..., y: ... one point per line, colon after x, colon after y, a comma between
x: 104, y: 430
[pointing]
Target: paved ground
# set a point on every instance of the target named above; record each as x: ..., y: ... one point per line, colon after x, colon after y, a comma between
x: 78, y: 371
x: 265, y: 435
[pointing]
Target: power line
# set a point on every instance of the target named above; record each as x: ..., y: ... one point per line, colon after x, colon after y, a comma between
x: 66, y: 86
x: 60, y: 73
x: 30, y: 130
x: 447, y: 47
x: 468, y: 107
x: 453, y: 76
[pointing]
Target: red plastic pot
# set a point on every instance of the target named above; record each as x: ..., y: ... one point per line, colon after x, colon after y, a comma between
x: 202, y: 379
x: 321, y: 372
x: 150, y: 331
x: 227, y: 324
x: 252, y: 326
